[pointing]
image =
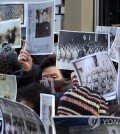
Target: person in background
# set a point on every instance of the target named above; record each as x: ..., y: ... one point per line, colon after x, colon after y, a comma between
x: 8, y: 60
x: 30, y: 95
x: 46, y: 70
x: 82, y: 101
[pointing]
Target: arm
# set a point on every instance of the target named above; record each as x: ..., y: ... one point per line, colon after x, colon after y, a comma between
x: 29, y: 72
x: 25, y: 60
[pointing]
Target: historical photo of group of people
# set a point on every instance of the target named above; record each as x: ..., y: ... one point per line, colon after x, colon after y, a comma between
x: 40, y: 34
x: 19, y: 119
x: 97, y: 72
x: 10, y: 11
x: 10, y: 32
x: 75, y: 45
x: 8, y: 87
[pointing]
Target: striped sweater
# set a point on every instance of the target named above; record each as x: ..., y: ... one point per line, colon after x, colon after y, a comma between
x: 82, y: 101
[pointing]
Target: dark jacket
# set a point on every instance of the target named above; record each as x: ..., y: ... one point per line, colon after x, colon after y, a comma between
x: 25, y: 78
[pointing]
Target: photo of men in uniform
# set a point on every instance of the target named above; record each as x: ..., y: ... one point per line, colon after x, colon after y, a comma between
x: 43, y: 22
x: 98, y: 73
x: 12, y: 11
x: 74, y: 45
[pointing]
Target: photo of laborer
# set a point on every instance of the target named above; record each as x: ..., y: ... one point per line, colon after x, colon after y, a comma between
x: 43, y: 22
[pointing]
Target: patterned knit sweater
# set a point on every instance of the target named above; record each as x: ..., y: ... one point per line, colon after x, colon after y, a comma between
x: 82, y: 101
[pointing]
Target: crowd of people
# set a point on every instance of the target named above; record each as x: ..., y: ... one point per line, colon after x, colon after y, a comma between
x: 31, y: 77
x: 70, y: 97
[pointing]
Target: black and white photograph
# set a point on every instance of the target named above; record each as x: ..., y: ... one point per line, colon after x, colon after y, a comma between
x: 1, y: 126
x: 20, y: 119
x: 8, y: 87
x: 112, y: 31
x: 114, y: 53
x: 47, y: 111
x: 10, y: 11
x: 1, y: 121
x: 40, y: 28
x: 75, y: 45
x: 43, y: 20
x: 109, y: 30
x: 80, y: 125
x: 10, y: 32
x: 98, y: 73
x: 113, y: 129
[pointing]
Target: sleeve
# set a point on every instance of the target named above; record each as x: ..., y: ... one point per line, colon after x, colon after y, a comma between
x: 25, y: 78
x: 103, y: 109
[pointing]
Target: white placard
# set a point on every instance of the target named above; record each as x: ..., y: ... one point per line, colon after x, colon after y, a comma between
x: 47, y: 111
x: 97, y: 72
x: 40, y: 25
x: 74, y: 45
x: 8, y: 87
x: 10, y: 32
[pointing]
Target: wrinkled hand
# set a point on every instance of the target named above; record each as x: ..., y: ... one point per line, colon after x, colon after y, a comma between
x: 25, y: 60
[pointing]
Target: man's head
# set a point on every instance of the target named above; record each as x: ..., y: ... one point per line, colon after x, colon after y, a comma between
x: 44, y: 15
x: 49, y: 69
x: 30, y: 95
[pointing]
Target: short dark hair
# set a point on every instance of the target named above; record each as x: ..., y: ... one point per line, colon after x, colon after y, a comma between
x: 32, y: 93
x: 51, y: 61
x: 48, y: 61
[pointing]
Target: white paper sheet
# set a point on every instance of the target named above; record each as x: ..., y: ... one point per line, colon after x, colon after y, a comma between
x: 40, y: 25
x: 10, y: 32
x: 97, y: 72
x: 8, y: 87
x: 73, y: 45
x: 47, y: 111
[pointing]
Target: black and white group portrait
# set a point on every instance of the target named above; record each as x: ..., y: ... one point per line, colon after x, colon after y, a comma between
x: 43, y: 22
x: 12, y: 11
x: 75, y: 45
x: 19, y: 119
x: 98, y: 73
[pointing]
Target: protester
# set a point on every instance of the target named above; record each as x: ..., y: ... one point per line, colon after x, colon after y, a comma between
x: 82, y: 101
x: 30, y: 95
x: 8, y: 60
x: 47, y: 69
